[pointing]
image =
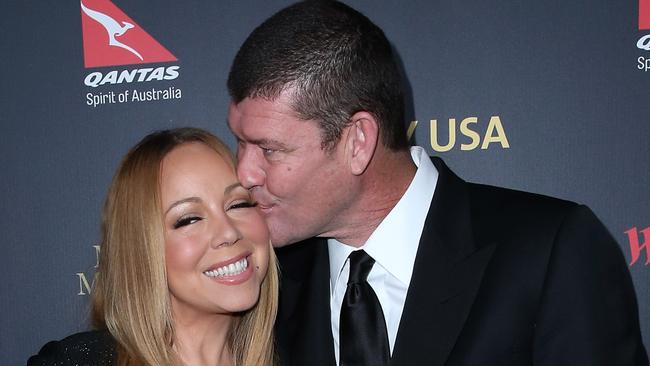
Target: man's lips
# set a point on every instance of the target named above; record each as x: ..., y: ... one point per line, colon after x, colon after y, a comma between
x: 265, y: 208
x: 264, y: 203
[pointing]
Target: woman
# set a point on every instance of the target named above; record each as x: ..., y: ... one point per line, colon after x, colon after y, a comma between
x: 182, y: 277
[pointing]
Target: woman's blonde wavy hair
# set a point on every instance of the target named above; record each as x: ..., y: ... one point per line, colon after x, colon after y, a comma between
x: 130, y: 297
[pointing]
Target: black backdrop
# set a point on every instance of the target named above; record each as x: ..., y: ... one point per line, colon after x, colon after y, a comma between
x: 552, y: 97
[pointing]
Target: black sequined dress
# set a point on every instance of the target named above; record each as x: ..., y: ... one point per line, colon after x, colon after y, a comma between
x: 96, y: 348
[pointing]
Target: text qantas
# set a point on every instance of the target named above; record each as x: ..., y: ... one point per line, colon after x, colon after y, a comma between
x: 95, y: 79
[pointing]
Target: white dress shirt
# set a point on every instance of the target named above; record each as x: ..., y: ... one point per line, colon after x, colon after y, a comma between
x: 393, y: 246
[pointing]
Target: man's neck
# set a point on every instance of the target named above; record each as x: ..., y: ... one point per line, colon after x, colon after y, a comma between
x: 383, y: 185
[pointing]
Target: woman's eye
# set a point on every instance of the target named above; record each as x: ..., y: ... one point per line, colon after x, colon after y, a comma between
x: 184, y: 221
x: 243, y: 204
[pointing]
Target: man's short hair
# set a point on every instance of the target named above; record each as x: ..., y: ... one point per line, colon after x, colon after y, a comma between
x: 333, y: 60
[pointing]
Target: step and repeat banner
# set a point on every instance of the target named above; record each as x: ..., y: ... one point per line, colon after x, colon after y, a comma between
x: 543, y: 96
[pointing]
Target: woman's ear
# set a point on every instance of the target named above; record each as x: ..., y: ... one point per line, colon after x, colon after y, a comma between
x: 362, y: 138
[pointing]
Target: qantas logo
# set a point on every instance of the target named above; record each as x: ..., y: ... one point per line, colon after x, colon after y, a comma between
x: 644, y: 23
x: 644, y: 14
x: 643, y: 43
x: 111, y: 38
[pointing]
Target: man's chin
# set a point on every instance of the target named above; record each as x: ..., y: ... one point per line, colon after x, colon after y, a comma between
x: 279, y: 241
x: 279, y: 245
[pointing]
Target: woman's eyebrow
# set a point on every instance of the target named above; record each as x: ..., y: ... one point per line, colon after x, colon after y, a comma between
x: 232, y: 187
x: 226, y: 191
x: 184, y: 200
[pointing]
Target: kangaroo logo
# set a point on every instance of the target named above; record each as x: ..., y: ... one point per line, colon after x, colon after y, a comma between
x: 111, y: 38
x: 113, y: 28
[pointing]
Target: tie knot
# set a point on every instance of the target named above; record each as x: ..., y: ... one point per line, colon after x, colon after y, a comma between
x: 360, y: 265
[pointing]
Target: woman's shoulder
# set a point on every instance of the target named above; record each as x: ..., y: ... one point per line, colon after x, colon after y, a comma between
x: 86, y: 348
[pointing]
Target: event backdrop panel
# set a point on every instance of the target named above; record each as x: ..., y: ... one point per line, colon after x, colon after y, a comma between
x: 549, y: 97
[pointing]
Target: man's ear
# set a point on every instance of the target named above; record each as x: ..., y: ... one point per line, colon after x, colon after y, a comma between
x: 362, y: 138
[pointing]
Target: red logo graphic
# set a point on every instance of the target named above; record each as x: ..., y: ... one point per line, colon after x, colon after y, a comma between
x: 644, y: 14
x: 111, y: 38
x: 635, y: 247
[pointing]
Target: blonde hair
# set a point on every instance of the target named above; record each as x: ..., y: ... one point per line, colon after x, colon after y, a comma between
x: 130, y: 297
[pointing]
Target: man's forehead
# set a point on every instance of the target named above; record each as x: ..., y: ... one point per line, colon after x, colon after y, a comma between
x: 263, y: 119
x: 282, y: 102
x: 257, y: 127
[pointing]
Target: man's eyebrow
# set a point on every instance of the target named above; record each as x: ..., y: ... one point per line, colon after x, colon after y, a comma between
x: 268, y: 142
x: 184, y: 200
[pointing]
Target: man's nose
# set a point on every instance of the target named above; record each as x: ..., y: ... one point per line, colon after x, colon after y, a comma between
x: 249, y: 169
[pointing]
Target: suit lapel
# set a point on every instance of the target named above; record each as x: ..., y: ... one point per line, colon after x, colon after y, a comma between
x: 446, y: 277
x: 304, y: 314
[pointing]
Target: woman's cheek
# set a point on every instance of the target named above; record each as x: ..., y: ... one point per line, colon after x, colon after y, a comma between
x: 182, y: 251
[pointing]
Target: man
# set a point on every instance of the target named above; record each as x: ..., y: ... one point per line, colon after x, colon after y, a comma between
x: 401, y: 262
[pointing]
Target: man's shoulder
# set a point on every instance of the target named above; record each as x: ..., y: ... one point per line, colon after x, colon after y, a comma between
x: 86, y: 348
x: 499, y: 213
x: 493, y: 202
x: 501, y: 198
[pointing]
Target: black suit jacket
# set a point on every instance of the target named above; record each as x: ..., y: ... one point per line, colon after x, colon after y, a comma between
x: 501, y: 277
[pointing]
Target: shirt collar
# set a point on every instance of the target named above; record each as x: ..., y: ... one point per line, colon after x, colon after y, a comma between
x: 401, y: 228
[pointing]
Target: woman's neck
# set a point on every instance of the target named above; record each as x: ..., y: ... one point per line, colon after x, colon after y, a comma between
x: 202, y: 339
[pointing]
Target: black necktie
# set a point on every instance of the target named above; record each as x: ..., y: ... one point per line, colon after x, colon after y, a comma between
x: 363, y: 337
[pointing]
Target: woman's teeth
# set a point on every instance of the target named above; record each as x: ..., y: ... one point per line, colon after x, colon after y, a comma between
x: 231, y: 269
